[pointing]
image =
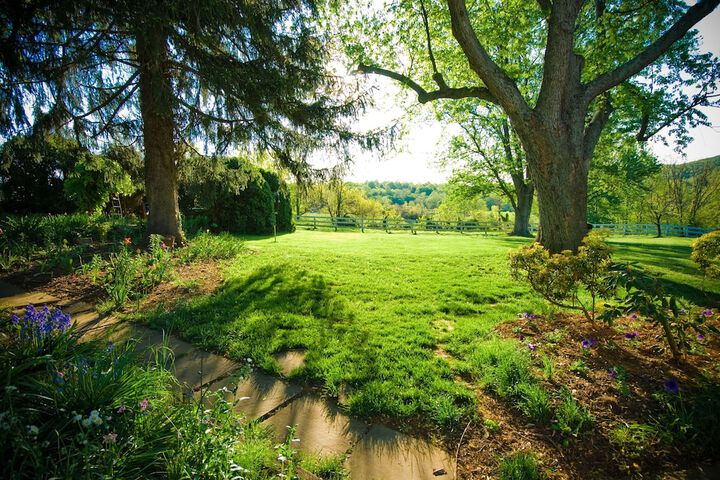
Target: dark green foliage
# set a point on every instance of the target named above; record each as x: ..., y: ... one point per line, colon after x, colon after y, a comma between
x: 234, y: 196
x: 691, y: 422
x: 32, y: 171
x: 94, y: 180
x: 645, y: 294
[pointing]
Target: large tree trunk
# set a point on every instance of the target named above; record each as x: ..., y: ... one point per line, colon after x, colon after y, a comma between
x: 523, y: 207
x: 562, y: 203
x: 156, y: 105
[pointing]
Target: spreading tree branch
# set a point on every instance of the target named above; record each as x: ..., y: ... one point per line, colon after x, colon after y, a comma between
x: 652, y: 52
x: 423, y: 95
x: 437, y: 76
x: 500, y: 85
x: 595, y: 127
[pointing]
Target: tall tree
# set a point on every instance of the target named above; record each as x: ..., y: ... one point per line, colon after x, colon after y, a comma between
x: 171, y: 73
x: 492, y: 160
x: 590, y: 55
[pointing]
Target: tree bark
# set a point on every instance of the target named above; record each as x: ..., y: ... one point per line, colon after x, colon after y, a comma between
x: 562, y: 200
x: 522, y: 208
x: 156, y: 106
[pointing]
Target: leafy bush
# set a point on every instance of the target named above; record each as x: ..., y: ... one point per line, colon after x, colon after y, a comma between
x: 234, y: 195
x: 563, y: 277
x: 520, y: 466
x: 94, y: 179
x: 32, y: 170
x: 706, y: 253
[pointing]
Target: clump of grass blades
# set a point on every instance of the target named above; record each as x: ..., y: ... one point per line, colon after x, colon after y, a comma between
x: 206, y: 246
x: 520, y: 466
x: 571, y: 418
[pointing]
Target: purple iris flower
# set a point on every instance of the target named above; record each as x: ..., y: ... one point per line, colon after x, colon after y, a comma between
x: 631, y: 335
x: 707, y: 313
x: 589, y: 342
x: 672, y: 386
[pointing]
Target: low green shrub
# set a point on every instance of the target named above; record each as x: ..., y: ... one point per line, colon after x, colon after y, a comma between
x: 563, y: 278
x: 644, y: 294
x: 706, y: 253
x: 520, y: 466
x: 691, y: 422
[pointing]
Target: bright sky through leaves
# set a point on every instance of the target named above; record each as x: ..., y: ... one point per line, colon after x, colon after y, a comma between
x: 416, y: 155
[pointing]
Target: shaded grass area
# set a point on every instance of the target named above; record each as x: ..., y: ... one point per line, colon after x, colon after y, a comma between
x: 378, y: 313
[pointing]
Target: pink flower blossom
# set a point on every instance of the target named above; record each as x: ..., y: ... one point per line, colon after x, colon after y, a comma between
x: 144, y: 404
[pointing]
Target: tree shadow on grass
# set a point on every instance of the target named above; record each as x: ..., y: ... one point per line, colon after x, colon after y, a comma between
x: 272, y: 309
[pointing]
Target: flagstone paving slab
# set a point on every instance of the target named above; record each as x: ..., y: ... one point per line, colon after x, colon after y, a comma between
x: 257, y: 395
x: 320, y: 425
x: 385, y: 453
x: 9, y: 299
x: 198, y: 368
x: 290, y: 360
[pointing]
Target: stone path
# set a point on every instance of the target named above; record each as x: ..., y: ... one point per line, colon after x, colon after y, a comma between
x: 372, y: 452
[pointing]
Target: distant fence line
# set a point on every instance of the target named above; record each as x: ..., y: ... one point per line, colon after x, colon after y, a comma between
x: 472, y: 226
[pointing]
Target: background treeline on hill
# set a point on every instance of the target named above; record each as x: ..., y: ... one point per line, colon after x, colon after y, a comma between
x: 53, y: 174
x: 685, y: 194
x: 622, y: 191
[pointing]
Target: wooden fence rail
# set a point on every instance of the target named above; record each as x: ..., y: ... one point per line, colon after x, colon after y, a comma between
x: 472, y: 226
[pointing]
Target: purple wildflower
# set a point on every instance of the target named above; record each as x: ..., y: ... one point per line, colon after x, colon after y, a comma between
x: 707, y: 313
x: 110, y: 438
x: 121, y: 409
x: 532, y: 346
x: 589, y: 342
x: 672, y: 386
x: 144, y: 404
x: 631, y: 335
x: 701, y: 337
x: 634, y: 316
x: 612, y: 372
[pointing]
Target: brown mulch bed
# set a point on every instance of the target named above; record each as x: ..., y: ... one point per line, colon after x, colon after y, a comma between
x: 591, y: 454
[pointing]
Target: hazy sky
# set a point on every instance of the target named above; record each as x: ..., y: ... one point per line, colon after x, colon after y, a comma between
x: 425, y: 141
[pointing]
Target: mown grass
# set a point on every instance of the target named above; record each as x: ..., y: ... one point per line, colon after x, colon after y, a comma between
x: 377, y: 313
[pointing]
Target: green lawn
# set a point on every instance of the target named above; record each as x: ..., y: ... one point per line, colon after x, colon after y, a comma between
x: 377, y: 312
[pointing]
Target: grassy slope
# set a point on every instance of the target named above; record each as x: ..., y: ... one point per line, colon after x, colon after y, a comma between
x: 375, y: 311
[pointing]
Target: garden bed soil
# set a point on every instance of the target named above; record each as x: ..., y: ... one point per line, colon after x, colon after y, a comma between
x: 591, y: 455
